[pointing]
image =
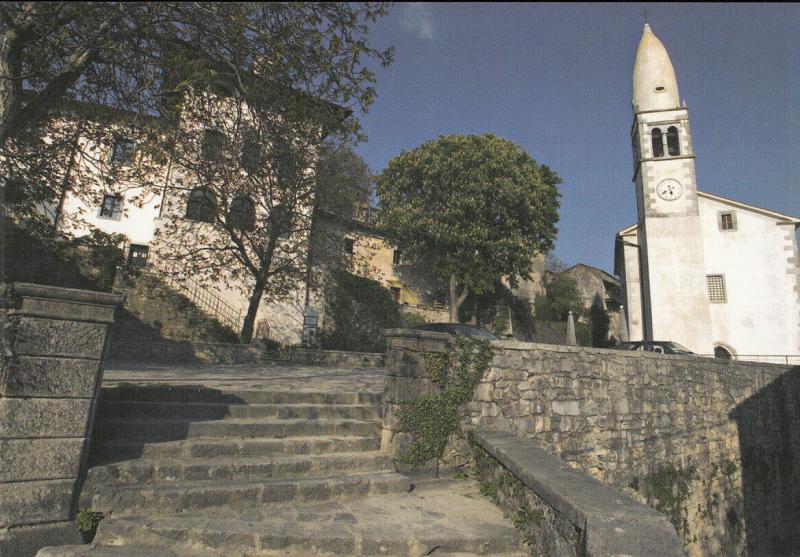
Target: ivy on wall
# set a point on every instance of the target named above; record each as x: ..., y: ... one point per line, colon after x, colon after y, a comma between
x: 433, y: 418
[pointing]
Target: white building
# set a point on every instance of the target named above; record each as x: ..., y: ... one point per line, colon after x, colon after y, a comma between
x: 715, y: 275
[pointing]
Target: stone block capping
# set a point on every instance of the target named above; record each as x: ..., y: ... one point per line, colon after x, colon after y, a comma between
x: 564, y: 511
x: 714, y: 445
x: 53, y: 341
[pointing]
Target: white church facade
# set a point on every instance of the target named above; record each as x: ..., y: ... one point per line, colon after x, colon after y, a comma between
x: 715, y: 275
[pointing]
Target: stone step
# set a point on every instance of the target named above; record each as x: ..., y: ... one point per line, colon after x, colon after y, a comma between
x: 180, y: 393
x: 176, y: 497
x: 142, y: 472
x: 108, y: 451
x: 313, y: 537
x: 95, y: 550
x: 163, y: 430
x: 220, y: 411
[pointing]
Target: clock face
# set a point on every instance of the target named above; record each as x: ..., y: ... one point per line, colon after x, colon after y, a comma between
x: 669, y: 189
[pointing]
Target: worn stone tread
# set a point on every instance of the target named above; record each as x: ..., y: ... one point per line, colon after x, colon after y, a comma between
x: 457, y: 522
x: 161, y: 429
x: 181, y: 496
x: 95, y: 550
x: 113, y: 450
x: 226, y: 411
x: 157, y: 470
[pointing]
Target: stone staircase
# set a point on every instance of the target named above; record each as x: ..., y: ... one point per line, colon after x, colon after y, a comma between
x: 222, y: 469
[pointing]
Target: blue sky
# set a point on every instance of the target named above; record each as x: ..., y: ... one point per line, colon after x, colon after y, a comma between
x: 555, y: 79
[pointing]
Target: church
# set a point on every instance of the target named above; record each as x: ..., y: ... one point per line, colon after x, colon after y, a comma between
x: 715, y: 275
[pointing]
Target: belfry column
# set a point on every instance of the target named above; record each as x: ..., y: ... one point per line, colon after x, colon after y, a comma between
x: 674, y: 298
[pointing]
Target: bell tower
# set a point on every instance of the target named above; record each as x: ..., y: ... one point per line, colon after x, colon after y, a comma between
x: 675, y: 303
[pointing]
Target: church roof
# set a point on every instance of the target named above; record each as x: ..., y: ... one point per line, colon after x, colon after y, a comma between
x: 744, y: 206
x: 655, y: 86
x: 785, y: 219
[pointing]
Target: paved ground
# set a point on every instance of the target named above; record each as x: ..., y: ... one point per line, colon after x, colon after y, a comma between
x: 264, y: 376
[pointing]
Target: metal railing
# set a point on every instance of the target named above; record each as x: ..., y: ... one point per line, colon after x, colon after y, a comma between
x: 785, y: 359
x: 199, y: 295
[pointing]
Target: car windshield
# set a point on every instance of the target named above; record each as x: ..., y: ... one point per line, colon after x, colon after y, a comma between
x: 679, y: 349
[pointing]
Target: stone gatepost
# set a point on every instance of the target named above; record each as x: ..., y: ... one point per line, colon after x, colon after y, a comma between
x: 51, y: 351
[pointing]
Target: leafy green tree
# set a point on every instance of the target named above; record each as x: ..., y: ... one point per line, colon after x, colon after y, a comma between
x: 70, y: 72
x: 561, y: 297
x: 474, y: 209
x: 344, y: 181
x: 599, y: 321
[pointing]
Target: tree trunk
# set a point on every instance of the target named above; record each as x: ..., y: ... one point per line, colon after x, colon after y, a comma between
x: 10, y: 89
x: 455, y: 299
x: 252, y: 310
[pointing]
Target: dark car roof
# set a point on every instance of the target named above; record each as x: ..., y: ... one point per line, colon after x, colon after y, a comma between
x: 457, y: 329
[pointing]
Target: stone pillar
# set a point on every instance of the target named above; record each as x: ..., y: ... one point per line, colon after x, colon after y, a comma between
x: 51, y: 350
x: 406, y: 379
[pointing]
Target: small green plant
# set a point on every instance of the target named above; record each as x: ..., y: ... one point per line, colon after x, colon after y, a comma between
x: 88, y: 520
x: 433, y: 418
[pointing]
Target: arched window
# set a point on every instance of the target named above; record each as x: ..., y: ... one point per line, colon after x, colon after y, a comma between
x: 658, y: 145
x: 242, y: 213
x: 673, y: 148
x: 202, y: 205
x: 722, y: 353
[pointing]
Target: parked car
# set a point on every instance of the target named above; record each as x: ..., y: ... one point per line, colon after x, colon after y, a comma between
x: 662, y: 347
x: 456, y: 329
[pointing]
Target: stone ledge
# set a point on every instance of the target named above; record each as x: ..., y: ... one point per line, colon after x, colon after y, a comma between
x: 614, y: 523
x: 37, y: 300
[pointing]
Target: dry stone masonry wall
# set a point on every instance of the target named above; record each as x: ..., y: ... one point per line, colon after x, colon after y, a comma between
x: 713, y: 445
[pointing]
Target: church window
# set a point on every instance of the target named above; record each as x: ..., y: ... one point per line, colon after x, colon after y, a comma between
x: 722, y: 353
x: 658, y: 144
x: 673, y: 147
x: 349, y: 244
x: 202, y: 205
x: 111, y: 208
x: 716, y: 289
x: 727, y: 221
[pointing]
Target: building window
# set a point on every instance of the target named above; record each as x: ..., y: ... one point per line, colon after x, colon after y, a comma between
x: 137, y: 255
x: 251, y: 154
x: 202, y: 205
x: 348, y: 245
x: 658, y: 144
x: 396, y: 291
x: 673, y: 147
x: 122, y: 153
x: 716, y: 289
x: 242, y: 214
x: 213, y: 142
x: 111, y: 208
x: 397, y: 257
x: 727, y: 221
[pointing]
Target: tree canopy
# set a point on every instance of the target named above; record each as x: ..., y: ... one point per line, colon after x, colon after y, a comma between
x: 475, y: 208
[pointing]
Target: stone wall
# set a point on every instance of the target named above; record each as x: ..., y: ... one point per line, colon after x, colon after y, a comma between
x: 564, y: 512
x: 53, y: 340
x: 714, y: 445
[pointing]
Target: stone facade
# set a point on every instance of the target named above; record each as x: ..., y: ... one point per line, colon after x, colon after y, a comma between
x: 53, y: 341
x: 717, y: 441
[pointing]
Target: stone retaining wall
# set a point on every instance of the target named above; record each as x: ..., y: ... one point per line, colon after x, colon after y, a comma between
x: 712, y: 444
x: 564, y: 512
x: 53, y: 340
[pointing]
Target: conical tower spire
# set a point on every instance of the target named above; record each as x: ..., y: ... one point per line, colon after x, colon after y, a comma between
x: 654, y: 84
